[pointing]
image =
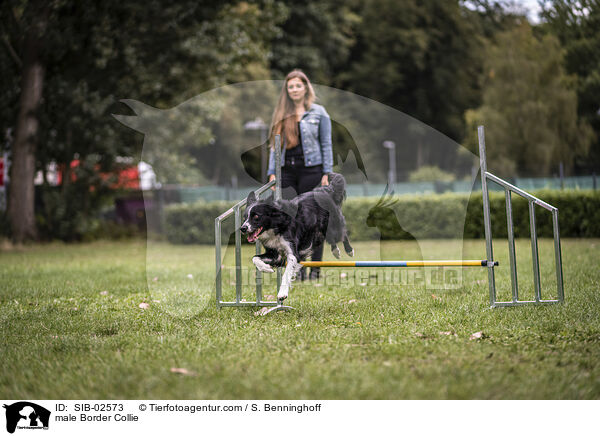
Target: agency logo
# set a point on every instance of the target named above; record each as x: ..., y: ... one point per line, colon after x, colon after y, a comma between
x: 26, y: 415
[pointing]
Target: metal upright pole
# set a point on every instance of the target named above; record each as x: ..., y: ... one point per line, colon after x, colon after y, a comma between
x: 264, y: 153
x: 238, y: 254
x: 535, y: 260
x: 277, y: 167
x: 278, y: 187
x: 486, y: 216
x: 558, y: 257
x: 218, y: 261
x: 561, y: 173
x: 391, y: 146
x: 258, y: 279
x: 511, y: 246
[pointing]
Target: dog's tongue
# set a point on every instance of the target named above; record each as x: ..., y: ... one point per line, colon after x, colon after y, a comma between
x: 254, y: 236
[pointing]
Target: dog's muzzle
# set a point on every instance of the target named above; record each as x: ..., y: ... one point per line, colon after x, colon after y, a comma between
x: 253, y: 235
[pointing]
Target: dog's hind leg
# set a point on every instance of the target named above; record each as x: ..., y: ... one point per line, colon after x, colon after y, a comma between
x: 347, y: 246
x: 332, y: 237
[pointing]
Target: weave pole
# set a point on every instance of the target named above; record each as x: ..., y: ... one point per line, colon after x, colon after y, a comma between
x: 397, y: 263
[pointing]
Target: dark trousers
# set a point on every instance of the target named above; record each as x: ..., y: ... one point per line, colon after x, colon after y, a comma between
x: 297, y: 179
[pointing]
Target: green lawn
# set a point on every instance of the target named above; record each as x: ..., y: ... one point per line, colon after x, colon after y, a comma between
x: 72, y: 328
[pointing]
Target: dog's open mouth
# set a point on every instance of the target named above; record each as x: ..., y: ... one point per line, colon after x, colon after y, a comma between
x: 254, y: 236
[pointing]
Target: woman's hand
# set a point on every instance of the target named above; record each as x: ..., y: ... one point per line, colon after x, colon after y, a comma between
x: 272, y: 177
x: 324, y: 180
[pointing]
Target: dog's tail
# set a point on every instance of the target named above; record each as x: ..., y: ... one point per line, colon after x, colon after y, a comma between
x: 338, y: 185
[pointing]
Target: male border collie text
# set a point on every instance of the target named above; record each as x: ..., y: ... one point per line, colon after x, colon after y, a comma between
x: 289, y: 229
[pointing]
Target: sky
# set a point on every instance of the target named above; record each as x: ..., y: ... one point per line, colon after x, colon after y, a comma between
x: 531, y: 6
x: 533, y: 9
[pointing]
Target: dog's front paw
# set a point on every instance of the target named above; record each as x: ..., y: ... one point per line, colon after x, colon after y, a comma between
x: 261, y: 266
x: 336, y: 252
x: 350, y: 253
x: 283, y: 292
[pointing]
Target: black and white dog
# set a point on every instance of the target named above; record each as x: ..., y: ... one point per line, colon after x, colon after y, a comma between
x: 289, y: 229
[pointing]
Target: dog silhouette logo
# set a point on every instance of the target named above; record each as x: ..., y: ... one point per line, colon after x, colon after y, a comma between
x: 26, y: 415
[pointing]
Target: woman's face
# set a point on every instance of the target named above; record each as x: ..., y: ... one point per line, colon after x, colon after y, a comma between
x: 296, y: 89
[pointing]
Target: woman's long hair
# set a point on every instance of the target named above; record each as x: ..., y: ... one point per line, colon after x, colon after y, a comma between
x: 284, y: 116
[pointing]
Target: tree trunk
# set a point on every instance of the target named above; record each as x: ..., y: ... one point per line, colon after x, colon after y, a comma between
x: 21, y: 202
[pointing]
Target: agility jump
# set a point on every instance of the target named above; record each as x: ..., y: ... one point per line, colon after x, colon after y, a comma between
x: 395, y: 263
x: 488, y: 263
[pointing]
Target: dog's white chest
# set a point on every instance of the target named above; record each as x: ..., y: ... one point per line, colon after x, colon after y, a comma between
x: 270, y: 240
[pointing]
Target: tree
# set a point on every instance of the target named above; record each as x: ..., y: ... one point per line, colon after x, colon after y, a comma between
x: 419, y: 57
x: 29, y: 56
x: 529, y: 111
x: 93, y: 55
x: 316, y: 37
x: 577, y: 25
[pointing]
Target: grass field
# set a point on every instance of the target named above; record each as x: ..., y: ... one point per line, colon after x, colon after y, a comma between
x: 72, y: 328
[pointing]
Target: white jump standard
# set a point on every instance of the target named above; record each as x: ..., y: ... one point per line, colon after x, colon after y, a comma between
x: 488, y: 263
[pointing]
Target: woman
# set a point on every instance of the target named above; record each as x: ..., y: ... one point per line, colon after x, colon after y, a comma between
x: 305, y: 129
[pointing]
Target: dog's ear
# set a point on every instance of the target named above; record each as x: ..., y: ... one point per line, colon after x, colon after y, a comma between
x: 251, y: 198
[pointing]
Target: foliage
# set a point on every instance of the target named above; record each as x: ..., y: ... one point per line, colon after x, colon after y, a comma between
x: 579, y: 214
x: 316, y: 37
x: 528, y: 110
x: 422, y: 58
x: 430, y: 174
x: 431, y: 216
x: 171, y: 136
x: 193, y: 223
x: 157, y: 53
x: 577, y: 24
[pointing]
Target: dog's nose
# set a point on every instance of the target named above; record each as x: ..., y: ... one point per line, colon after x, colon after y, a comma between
x: 244, y: 228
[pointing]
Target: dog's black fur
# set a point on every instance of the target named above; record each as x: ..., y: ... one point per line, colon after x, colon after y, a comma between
x: 289, y: 229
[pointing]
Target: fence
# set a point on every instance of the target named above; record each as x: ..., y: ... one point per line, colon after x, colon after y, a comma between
x: 213, y: 193
x: 156, y: 200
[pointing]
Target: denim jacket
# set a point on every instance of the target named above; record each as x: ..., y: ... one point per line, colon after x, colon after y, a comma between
x: 315, y: 135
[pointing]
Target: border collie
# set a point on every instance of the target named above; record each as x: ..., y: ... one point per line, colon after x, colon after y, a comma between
x: 289, y: 229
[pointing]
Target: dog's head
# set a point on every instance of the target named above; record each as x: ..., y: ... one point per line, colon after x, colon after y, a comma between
x: 258, y: 217
x: 263, y: 215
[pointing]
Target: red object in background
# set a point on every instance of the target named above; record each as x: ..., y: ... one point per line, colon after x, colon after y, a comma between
x: 127, y: 178
x: 1, y: 171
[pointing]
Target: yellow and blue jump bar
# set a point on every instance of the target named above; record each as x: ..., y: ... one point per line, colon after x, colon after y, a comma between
x: 396, y: 263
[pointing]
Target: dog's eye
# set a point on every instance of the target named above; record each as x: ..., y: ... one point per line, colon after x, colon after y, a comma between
x: 254, y: 216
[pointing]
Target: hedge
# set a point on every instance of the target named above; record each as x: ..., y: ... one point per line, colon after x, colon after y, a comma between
x: 420, y: 216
